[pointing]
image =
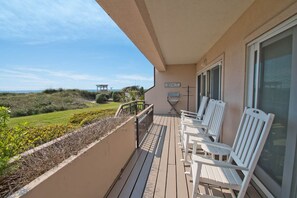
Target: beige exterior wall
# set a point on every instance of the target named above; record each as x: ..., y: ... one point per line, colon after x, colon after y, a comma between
x: 259, y: 18
x: 185, y: 74
x: 90, y: 173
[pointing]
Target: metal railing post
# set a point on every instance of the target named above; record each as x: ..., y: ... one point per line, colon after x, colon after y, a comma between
x: 137, y: 132
x: 136, y: 108
x: 130, y: 108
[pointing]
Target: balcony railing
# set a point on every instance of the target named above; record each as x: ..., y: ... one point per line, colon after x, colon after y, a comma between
x: 144, y: 121
x: 131, y: 108
x: 144, y: 116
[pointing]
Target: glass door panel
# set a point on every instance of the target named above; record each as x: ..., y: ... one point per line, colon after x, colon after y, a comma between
x: 273, y: 95
x: 215, y: 83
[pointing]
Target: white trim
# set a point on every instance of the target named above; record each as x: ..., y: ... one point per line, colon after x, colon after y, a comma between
x: 197, y: 94
x: 262, y: 187
x: 210, y: 66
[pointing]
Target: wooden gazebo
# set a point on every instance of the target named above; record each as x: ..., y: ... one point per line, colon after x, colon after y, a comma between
x: 102, y: 87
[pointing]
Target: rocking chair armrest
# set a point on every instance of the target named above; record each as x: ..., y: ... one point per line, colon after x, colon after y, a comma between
x: 189, y: 116
x: 212, y: 162
x: 214, y: 144
x: 188, y: 112
x: 199, y: 134
x: 195, y: 125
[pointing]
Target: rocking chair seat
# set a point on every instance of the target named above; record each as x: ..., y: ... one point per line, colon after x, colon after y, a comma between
x: 218, y: 176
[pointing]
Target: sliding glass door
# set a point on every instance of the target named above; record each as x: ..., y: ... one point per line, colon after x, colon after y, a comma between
x: 272, y: 87
x: 209, y: 83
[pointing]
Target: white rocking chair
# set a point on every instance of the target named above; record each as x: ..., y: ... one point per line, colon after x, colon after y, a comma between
x: 188, y: 115
x: 194, y: 122
x: 251, y: 136
x: 200, y: 132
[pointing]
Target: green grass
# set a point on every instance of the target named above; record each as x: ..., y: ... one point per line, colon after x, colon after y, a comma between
x: 60, y: 117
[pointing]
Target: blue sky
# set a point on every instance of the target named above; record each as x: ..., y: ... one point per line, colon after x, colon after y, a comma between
x: 67, y: 44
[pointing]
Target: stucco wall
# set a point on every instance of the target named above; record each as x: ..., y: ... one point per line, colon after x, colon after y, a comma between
x: 91, y: 172
x: 185, y: 74
x: 259, y: 18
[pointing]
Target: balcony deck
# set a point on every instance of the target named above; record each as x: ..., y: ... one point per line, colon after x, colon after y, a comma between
x: 155, y: 169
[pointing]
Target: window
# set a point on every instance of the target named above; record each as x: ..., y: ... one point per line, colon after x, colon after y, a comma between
x: 209, y: 83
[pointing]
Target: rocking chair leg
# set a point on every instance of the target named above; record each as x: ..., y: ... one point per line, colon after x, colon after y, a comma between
x: 196, y: 177
x: 186, y: 148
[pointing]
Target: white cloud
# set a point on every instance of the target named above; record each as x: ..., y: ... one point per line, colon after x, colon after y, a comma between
x: 47, y: 78
x: 24, y: 77
x: 5, y: 73
x: 62, y: 74
x: 40, y: 22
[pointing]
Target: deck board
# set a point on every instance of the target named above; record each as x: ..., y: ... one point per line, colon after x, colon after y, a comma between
x: 182, y: 190
x: 155, y: 169
x: 162, y: 172
x: 151, y: 182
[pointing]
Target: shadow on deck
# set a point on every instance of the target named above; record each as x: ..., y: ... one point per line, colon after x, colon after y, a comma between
x: 155, y: 169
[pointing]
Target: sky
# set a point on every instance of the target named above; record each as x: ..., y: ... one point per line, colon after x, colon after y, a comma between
x: 66, y: 44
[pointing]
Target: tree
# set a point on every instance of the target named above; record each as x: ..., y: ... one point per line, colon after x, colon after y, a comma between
x: 101, y: 98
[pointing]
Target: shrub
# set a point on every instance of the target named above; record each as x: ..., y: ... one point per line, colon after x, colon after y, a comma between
x: 101, y: 98
x: 13, y: 141
x: 88, y: 95
x: 51, y: 91
x: 21, y: 138
x: 116, y: 96
x: 91, y: 116
x: 40, y: 135
x: 4, y: 116
x: 110, y: 94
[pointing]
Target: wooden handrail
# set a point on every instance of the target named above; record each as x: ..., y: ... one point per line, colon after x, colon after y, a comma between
x: 129, y: 105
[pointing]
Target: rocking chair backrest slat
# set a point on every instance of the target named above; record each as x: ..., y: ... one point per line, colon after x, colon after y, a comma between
x: 251, y: 136
x: 202, y: 107
x: 209, y: 112
x: 245, y: 135
x: 215, y: 124
x: 253, y: 143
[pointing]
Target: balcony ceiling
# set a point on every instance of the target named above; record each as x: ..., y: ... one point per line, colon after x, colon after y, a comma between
x: 170, y: 32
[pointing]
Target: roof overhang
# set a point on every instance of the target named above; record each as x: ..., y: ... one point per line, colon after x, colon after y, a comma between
x: 171, y: 32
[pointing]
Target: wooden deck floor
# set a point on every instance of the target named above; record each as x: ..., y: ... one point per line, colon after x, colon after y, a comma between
x: 155, y: 169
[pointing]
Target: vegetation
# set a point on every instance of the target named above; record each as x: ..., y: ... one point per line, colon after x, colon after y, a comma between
x: 13, y: 140
x: 128, y: 94
x: 61, y: 111
x: 91, y: 116
x: 61, y: 117
x: 116, y: 96
x: 22, y: 136
x: 29, y: 167
x: 49, y: 100
x: 22, y: 133
x: 101, y: 98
